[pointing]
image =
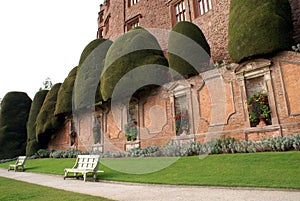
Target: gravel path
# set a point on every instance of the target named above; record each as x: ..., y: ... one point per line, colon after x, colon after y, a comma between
x: 141, y: 192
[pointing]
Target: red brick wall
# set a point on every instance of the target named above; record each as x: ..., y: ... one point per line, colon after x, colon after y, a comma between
x: 295, y: 6
x: 218, y: 107
x: 157, y: 14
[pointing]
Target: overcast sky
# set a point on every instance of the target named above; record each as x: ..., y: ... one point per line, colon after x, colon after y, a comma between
x: 40, y: 39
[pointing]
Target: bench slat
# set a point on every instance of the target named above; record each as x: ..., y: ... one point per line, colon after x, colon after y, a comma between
x: 85, y: 164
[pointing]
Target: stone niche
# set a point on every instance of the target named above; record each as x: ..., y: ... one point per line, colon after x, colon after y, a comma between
x: 255, y: 76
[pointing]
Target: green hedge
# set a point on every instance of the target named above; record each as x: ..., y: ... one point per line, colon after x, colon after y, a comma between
x: 32, y: 145
x: 47, y: 123
x: 258, y: 27
x: 65, y: 94
x: 189, y: 52
x: 134, y: 49
x: 86, y: 87
x: 14, y: 113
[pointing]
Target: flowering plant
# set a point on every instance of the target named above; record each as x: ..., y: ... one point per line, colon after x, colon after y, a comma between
x: 258, y: 107
x: 182, y: 122
x: 131, y: 131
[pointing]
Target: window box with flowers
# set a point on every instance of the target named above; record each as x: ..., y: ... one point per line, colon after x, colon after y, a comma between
x: 182, y: 125
x: 259, y: 109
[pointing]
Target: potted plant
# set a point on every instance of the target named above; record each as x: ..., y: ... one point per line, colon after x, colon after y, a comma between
x: 259, y: 109
x: 182, y: 125
x: 130, y: 131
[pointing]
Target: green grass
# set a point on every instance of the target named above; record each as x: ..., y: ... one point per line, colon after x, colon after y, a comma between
x: 16, y: 190
x: 273, y: 169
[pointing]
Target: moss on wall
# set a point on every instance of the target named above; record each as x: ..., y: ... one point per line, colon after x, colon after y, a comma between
x: 189, y: 52
x: 32, y: 145
x: 258, y: 27
x: 15, y: 108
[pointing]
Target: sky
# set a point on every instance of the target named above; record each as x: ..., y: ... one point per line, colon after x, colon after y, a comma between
x: 40, y: 39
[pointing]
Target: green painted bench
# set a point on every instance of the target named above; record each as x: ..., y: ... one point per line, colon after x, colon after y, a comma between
x: 84, y: 164
x: 19, y: 163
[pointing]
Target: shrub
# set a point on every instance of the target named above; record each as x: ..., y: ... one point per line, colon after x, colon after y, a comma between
x: 32, y: 145
x: 189, y: 52
x: 136, y: 48
x: 43, y: 153
x: 258, y: 27
x: 14, y: 112
x: 65, y: 95
x: 47, y: 123
x: 87, y: 83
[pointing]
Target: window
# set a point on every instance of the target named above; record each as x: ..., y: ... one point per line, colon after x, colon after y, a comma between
x: 180, y: 11
x: 72, y: 133
x: 133, y: 24
x: 132, y: 2
x: 204, y: 6
x: 100, y: 33
x: 182, y: 125
x: 101, y: 16
x: 106, y: 24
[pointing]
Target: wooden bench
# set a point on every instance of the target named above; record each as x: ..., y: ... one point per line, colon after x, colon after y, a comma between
x: 84, y: 164
x: 19, y: 163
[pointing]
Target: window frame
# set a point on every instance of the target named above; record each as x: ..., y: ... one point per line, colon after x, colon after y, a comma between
x: 132, y: 2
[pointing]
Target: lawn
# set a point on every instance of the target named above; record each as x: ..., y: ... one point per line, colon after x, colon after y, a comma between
x: 271, y: 169
x: 12, y: 190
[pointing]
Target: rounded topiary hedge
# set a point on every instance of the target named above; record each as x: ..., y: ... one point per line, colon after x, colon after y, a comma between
x: 14, y: 113
x: 47, y: 123
x: 258, y: 27
x: 134, y: 49
x: 65, y: 94
x: 32, y: 145
x: 86, y: 87
x: 189, y: 52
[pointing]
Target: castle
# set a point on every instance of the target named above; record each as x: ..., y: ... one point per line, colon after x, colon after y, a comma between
x: 212, y: 104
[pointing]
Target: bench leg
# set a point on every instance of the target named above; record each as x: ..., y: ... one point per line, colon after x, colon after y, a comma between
x: 95, y: 177
x: 84, y: 176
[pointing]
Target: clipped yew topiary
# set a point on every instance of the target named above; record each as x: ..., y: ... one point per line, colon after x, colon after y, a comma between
x: 65, y: 95
x: 15, y: 108
x: 86, y: 87
x: 258, y: 27
x: 32, y: 145
x: 134, y: 49
x: 189, y: 52
x: 47, y: 123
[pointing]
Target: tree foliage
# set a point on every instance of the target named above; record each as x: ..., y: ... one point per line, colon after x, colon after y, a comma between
x: 189, y: 52
x: 15, y: 108
x: 65, y: 95
x: 47, y: 123
x: 86, y: 87
x: 134, y: 49
x: 258, y: 27
x: 32, y: 145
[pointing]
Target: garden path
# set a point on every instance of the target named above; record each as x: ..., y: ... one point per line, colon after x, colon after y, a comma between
x: 145, y: 192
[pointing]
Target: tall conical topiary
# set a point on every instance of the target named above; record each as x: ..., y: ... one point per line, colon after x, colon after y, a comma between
x: 32, y: 145
x: 14, y: 113
x: 130, y: 51
x: 188, y: 50
x: 258, y: 27
x: 47, y: 123
x: 65, y: 95
x: 86, y: 87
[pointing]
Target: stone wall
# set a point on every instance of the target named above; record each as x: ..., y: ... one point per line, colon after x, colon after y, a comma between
x: 216, y: 102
